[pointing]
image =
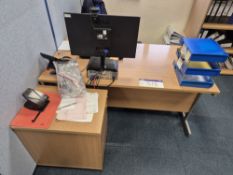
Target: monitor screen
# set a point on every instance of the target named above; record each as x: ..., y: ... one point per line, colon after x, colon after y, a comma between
x: 89, y: 34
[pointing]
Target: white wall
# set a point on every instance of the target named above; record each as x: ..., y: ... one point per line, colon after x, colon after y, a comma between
x: 56, y: 9
x: 24, y: 33
x: 155, y: 15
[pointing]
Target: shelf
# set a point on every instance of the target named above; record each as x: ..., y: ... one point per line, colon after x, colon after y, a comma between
x: 226, y: 72
x: 229, y: 50
x: 217, y: 26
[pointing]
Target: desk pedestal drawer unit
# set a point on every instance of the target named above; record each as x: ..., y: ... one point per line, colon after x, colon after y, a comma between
x: 69, y: 144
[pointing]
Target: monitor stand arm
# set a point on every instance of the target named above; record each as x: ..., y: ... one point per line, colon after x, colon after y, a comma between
x: 103, y: 53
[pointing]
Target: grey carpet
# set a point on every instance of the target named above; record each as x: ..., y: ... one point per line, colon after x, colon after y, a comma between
x: 149, y: 142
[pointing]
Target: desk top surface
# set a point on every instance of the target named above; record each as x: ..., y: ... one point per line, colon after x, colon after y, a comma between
x: 152, y: 62
x: 91, y: 128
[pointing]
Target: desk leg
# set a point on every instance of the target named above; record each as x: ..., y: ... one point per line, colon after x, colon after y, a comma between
x: 184, y: 118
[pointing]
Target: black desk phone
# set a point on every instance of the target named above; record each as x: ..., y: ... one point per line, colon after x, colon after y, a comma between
x: 35, y: 100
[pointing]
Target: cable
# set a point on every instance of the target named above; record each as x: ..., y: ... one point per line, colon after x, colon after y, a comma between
x: 99, y: 78
x: 94, y: 82
x: 90, y: 82
x: 113, y: 80
x: 94, y: 79
x: 84, y: 69
x: 35, y: 118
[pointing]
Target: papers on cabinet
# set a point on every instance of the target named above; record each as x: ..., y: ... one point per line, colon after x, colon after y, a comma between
x: 80, y: 109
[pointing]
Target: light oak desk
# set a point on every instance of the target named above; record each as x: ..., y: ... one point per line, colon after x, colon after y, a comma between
x: 151, y: 62
x: 68, y: 144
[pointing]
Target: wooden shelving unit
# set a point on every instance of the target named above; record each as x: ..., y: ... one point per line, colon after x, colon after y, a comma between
x: 196, y: 17
x: 217, y: 26
x: 226, y: 72
x: 196, y: 23
x: 229, y: 50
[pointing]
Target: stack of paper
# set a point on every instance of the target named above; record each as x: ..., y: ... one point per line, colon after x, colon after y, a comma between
x: 172, y: 37
x: 79, y: 109
x: 65, y: 46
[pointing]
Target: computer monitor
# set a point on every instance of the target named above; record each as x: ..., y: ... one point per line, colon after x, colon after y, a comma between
x: 101, y: 36
x: 95, y: 35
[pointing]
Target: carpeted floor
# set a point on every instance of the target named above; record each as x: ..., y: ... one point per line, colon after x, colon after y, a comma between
x: 150, y: 142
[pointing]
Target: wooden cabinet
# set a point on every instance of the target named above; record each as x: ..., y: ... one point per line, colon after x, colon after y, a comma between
x: 69, y: 144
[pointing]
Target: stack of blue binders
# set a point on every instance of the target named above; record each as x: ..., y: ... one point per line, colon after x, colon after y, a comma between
x: 198, y: 61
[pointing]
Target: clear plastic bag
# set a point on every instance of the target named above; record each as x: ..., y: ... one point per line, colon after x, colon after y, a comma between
x: 69, y: 79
